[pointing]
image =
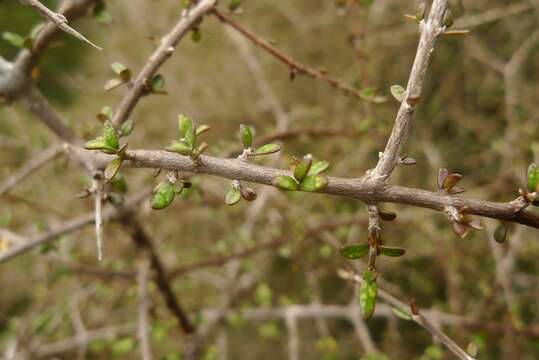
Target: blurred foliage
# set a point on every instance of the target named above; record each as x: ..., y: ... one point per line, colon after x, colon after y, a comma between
x: 462, y: 123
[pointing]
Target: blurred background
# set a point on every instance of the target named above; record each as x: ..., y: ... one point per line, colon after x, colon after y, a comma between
x: 239, y: 271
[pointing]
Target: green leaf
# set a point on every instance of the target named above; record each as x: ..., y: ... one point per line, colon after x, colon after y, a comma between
x: 267, y: 149
x: 354, y: 251
x: 110, y: 137
x: 158, y: 82
x: 14, y: 39
x: 367, y: 294
x: 285, y: 183
x: 196, y: 35
x: 448, y: 19
x: 234, y: 4
x: 500, y: 234
x: 401, y: 314
x: 246, y: 136
x: 113, y: 84
x: 119, y: 184
x: 164, y: 194
x: 123, y: 346
x: 202, y: 129
x: 391, y: 251
x: 187, y: 130
x: 317, y: 167
x: 420, y: 11
x: 314, y: 183
x: 303, y: 167
x: 232, y: 197
x: 112, y: 168
x: 398, y: 92
x: 533, y: 178
x: 127, y: 127
x: 121, y: 70
x: 180, y: 147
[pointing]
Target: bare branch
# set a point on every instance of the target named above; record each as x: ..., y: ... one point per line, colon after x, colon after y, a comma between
x: 59, y: 20
x: 33, y: 165
x: 295, y: 67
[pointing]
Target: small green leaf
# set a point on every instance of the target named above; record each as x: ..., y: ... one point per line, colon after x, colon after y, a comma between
x: 232, y: 197
x: 121, y: 70
x: 112, y: 168
x: 285, y: 183
x: 533, y: 178
x: 448, y: 19
x: 354, y: 251
x: 119, y: 184
x: 391, y: 251
x: 110, y: 137
x: 314, y: 183
x: 398, y: 92
x: 180, y: 147
x: 202, y: 129
x: 500, y: 234
x: 158, y: 83
x: 196, y: 35
x: 367, y: 294
x: 401, y: 314
x: 127, y: 127
x: 14, y: 39
x: 163, y: 195
x: 234, y: 5
x: 187, y: 130
x: 302, y: 169
x: 317, y: 167
x: 267, y: 149
x: 246, y: 136
x: 420, y: 11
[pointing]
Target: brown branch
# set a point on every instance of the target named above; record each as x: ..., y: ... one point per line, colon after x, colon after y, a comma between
x: 143, y: 306
x: 295, y: 67
x: 145, y: 245
x: 160, y: 55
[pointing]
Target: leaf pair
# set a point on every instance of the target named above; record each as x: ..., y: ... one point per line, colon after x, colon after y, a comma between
x: 447, y: 182
x: 108, y: 142
x: 246, y: 136
x: 187, y: 145
x: 465, y: 222
x: 307, y: 176
x: 357, y: 251
x: 164, y: 194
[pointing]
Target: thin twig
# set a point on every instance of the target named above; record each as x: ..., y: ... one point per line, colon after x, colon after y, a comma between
x: 98, y: 194
x: 296, y: 68
x: 32, y: 166
x: 58, y: 19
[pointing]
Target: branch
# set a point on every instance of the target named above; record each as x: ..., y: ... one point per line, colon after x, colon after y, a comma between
x: 70, y: 226
x: 295, y: 67
x: 58, y: 19
x: 430, y: 28
x: 362, y: 188
x: 161, y: 54
x: 143, y: 307
x: 33, y: 165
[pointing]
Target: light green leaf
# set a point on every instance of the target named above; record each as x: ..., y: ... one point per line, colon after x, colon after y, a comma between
x: 164, y: 194
x: 398, y: 92
x: 112, y: 168
x: 246, y: 136
x: 232, y: 197
x: 14, y: 39
x: 314, y: 183
x: 158, y: 82
x: 267, y: 149
x: 302, y: 168
x: 367, y: 294
x: 317, y: 167
x: 110, y: 137
x: 401, y: 314
x: 127, y: 127
x: 533, y: 178
x: 202, y: 129
x: 285, y: 183
x: 180, y: 147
